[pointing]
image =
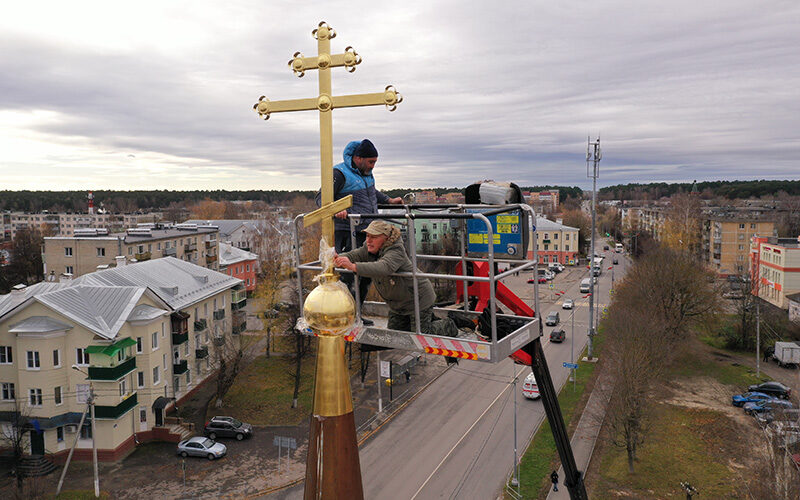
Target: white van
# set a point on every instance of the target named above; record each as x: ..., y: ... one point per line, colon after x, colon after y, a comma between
x: 618, y: 248
x: 586, y: 285
x: 529, y: 388
x: 556, y: 267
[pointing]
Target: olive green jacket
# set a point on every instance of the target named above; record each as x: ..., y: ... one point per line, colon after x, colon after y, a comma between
x: 398, y: 292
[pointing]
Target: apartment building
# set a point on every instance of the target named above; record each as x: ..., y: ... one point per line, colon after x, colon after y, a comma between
x: 725, y: 239
x: 543, y: 201
x: 66, y: 223
x: 93, y: 249
x: 239, y: 264
x: 140, y: 337
x: 555, y: 242
x: 775, y: 269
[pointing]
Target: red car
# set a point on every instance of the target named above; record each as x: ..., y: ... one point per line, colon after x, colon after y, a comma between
x: 542, y: 279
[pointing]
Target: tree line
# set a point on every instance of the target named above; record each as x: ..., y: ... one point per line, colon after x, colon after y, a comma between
x: 131, y: 201
x: 726, y: 189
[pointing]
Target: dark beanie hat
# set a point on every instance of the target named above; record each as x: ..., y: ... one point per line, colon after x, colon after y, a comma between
x: 366, y: 150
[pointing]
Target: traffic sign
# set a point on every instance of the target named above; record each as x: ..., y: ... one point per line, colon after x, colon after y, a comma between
x: 574, y: 366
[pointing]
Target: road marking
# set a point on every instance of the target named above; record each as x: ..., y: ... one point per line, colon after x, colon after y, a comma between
x: 516, y: 374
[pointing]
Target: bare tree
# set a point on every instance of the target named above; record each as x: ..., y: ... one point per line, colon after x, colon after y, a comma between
x: 638, y: 354
x: 776, y: 476
x: 14, y: 435
x: 227, y: 358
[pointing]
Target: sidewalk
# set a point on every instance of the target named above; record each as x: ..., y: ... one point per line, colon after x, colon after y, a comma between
x: 586, y: 432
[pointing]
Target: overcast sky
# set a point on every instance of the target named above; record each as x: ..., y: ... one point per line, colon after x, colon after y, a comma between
x: 159, y: 95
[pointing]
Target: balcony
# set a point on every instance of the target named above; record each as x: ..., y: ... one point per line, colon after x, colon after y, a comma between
x: 238, y: 299
x: 110, y: 373
x: 180, y: 367
x: 114, y: 412
x: 210, y: 259
x: 201, y: 353
x: 142, y: 256
x: 179, y: 338
x: 219, y: 314
x: 200, y: 325
x: 190, y: 247
x: 211, y: 244
x: 169, y: 252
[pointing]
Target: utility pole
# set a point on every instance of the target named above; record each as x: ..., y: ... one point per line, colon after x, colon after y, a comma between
x: 90, y: 401
x: 758, y: 337
x: 515, y: 479
x: 71, y: 451
x: 593, y: 155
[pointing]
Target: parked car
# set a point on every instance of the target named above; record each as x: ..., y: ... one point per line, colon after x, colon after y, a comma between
x: 228, y: 427
x: 541, y: 279
x: 552, y: 319
x: 567, y: 304
x: 772, y: 388
x: 616, y: 261
x: 558, y: 335
x: 766, y: 405
x: 199, y: 446
x: 276, y: 311
x: 605, y: 248
x: 749, y: 397
x: 529, y: 387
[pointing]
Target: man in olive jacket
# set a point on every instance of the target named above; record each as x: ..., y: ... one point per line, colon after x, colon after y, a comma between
x: 382, y: 255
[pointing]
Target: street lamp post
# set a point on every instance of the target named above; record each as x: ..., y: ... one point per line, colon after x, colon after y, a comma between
x: 94, y: 433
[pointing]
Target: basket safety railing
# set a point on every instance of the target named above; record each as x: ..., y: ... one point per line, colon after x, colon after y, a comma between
x: 492, y: 350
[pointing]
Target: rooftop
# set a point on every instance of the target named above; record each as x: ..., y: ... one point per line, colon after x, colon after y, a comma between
x: 229, y: 254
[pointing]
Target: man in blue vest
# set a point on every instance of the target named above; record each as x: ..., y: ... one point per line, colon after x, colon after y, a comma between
x: 354, y: 176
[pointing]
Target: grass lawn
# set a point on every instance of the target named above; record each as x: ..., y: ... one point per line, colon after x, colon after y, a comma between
x: 683, y: 445
x: 727, y: 372
x: 541, y: 456
x: 262, y: 393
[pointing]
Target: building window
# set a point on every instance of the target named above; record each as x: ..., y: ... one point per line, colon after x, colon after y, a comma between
x: 69, y: 270
x: 197, y: 367
x: 164, y: 361
x: 546, y: 246
x: 247, y: 267
x: 566, y: 236
x: 86, y: 431
x: 33, y: 360
x: 555, y: 236
x: 8, y: 391
x: 186, y: 349
x: 566, y: 248
x: 154, y: 340
x: 130, y: 250
x: 741, y: 247
x: 741, y: 226
x: 140, y: 379
x: 81, y: 357
x: 60, y: 434
x: 56, y: 358
x: 101, y: 252
x: 555, y: 246
x: 138, y: 345
x: 5, y: 355
x: 123, y: 387
x: 143, y: 415
x: 156, y: 376
x: 35, y: 397
x: 67, y: 251
x: 57, y: 396
x: 188, y: 377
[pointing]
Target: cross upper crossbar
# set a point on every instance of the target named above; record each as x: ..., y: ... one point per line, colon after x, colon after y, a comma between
x: 325, y: 103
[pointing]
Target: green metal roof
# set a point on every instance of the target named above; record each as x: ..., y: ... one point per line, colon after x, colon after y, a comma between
x: 111, y: 350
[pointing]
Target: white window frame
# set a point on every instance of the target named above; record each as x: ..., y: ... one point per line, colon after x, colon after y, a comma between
x: 56, y: 358
x: 32, y: 360
x: 101, y: 252
x: 81, y: 356
x: 140, y: 380
x: 139, y: 345
x: 123, y: 388
x: 35, y: 397
x: 8, y: 391
x: 69, y: 269
x: 154, y: 340
x: 156, y: 376
x: 67, y: 251
x: 6, y: 355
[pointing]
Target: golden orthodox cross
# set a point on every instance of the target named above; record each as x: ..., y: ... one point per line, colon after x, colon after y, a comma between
x: 326, y: 103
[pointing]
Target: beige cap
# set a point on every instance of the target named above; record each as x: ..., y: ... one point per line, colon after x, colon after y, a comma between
x: 379, y: 227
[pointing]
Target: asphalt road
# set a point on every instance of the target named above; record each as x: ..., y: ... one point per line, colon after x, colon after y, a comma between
x: 456, y: 440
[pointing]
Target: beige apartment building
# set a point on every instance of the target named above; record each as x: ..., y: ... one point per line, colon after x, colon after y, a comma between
x: 725, y: 240
x: 555, y: 242
x: 139, y: 337
x: 775, y: 269
x: 93, y: 249
x: 66, y: 223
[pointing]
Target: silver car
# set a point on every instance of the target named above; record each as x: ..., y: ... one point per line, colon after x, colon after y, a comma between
x: 199, y: 446
x: 567, y: 304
